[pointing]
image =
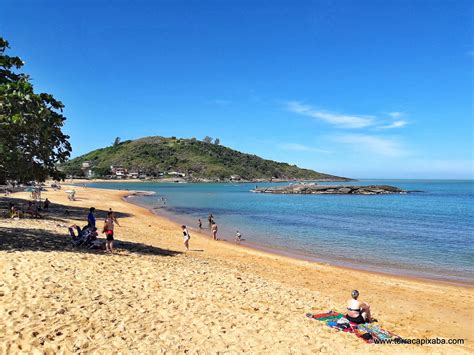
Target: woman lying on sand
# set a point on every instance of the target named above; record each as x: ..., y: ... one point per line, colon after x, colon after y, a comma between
x: 358, y: 312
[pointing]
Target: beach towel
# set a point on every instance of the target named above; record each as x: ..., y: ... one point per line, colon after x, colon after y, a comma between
x: 329, y: 316
x: 377, y: 332
x: 367, y: 332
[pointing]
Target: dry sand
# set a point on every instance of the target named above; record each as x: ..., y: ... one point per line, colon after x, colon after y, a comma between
x: 151, y: 296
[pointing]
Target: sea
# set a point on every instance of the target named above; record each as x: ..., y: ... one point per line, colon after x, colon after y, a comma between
x: 424, y: 234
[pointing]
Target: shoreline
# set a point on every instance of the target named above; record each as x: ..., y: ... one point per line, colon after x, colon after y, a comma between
x: 198, y: 181
x: 140, y: 299
x: 292, y: 255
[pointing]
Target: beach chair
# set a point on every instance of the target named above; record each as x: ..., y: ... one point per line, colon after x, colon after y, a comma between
x: 89, y: 236
x: 76, y: 240
x: 71, y: 195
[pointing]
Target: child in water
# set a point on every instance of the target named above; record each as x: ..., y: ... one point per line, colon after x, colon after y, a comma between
x: 238, y: 237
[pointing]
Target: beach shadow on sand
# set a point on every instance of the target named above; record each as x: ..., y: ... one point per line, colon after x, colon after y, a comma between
x: 59, y: 212
x: 28, y: 239
x: 36, y: 239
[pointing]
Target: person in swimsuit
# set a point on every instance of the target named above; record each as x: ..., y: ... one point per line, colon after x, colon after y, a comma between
x: 109, y: 231
x: 358, y: 312
x: 186, y: 236
x: 199, y: 223
x: 114, y: 216
x: 214, y: 230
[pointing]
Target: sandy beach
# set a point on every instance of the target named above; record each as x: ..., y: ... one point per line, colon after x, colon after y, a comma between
x: 152, y: 296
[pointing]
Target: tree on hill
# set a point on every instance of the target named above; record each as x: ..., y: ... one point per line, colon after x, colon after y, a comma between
x: 116, y: 141
x: 207, y: 139
x: 31, y: 140
x: 217, y: 141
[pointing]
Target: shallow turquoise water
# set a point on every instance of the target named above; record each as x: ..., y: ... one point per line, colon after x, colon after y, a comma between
x: 428, y: 234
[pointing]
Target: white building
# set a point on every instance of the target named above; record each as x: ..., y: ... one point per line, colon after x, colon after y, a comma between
x: 175, y: 173
x: 118, y: 171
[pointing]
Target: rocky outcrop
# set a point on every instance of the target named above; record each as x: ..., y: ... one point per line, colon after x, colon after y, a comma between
x: 334, y: 189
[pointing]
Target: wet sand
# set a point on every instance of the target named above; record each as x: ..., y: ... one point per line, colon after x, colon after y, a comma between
x: 152, y: 296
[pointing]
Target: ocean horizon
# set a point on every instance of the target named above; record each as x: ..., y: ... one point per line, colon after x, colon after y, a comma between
x: 426, y: 234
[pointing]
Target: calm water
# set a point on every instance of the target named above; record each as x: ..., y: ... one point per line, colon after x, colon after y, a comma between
x: 428, y: 234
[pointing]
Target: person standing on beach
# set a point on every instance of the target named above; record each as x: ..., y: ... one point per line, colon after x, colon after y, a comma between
x: 199, y: 223
x: 186, y: 237
x: 210, y: 218
x: 46, y: 204
x: 214, y: 230
x: 114, y: 216
x: 91, y: 217
x: 109, y: 231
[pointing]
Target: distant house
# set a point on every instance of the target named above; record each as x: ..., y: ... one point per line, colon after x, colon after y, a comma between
x: 235, y: 177
x: 118, y: 171
x: 87, y: 169
x: 133, y: 175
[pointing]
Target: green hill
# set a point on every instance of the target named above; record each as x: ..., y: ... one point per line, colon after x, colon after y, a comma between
x: 196, y: 159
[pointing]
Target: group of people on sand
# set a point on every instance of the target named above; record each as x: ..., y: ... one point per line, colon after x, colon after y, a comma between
x: 108, y: 228
x: 214, y: 229
x: 33, y: 209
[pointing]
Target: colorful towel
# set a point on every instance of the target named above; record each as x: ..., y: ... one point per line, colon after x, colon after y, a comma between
x: 325, y: 316
x: 367, y: 332
x: 376, y: 332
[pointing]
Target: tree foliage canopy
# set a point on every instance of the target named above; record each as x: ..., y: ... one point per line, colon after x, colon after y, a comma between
x: 31, y: 140
x: 207, y: 139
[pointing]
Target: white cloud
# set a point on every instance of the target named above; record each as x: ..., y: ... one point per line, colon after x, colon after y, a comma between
x: 396, y: 124
x: 302, y: 148
x: 337, y: 119
x: 395, y: 114
x: 373, y: 144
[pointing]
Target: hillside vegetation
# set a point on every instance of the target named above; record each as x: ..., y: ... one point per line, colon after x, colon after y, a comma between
x: 197, y: 159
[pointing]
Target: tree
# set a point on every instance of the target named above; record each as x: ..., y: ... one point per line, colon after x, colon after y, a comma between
x: 217, y: 141
x: 207, y: 139
x: 116, y: 141
x: 31, y: 140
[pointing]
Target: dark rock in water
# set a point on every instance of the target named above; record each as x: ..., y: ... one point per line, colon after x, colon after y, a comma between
x: 308, y: 189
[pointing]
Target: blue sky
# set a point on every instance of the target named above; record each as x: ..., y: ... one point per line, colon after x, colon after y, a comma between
x: 354, y: 88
